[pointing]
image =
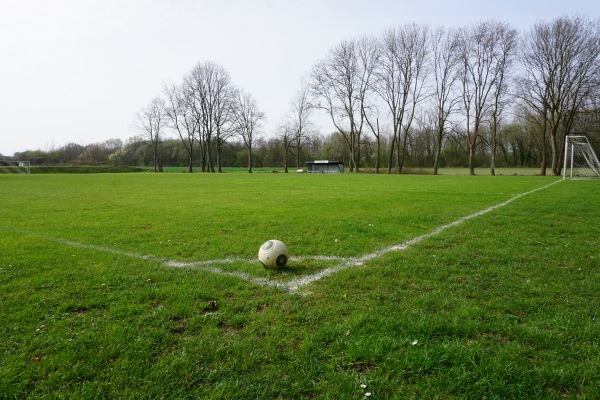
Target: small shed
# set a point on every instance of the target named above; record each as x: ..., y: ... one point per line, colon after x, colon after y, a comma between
x: 324, y: 167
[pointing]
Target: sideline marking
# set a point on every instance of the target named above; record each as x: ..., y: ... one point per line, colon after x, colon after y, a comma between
x: 297, y: 283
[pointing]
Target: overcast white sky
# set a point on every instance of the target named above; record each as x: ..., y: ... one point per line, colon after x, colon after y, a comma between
x: 79, y: 70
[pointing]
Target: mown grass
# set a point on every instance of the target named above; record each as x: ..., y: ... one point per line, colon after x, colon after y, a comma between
x: 192, y: 217
x: 502, y: 306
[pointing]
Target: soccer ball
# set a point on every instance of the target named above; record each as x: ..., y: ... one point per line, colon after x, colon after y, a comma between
x: 273, y: 254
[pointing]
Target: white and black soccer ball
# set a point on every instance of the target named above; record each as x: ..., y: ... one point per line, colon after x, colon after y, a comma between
x: 273, y: 254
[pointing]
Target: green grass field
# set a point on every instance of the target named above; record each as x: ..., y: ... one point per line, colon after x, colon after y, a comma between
x: 147, y: 286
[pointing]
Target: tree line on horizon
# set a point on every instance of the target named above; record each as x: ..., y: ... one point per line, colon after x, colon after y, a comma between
x: 414, y: 96
x: 515, y: 150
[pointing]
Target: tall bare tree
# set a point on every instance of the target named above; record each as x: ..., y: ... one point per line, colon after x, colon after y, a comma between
x: 299, y: 120
x: 248, y: 122
x: 341, y: 83
x: 506, y: 52
x: 181, y: 118
x: 481, y: 52
x: 225, y: 105
x: 286, y: 133
x: 445, y: 60
x: 372, y: 115
x: 561, y: 59
x: 401, y: 77
x: 152, y: 123
x: 213, y: 99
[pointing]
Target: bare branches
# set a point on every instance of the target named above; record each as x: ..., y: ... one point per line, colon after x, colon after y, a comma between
x: 437, y: 92
x: 299, y: 126
x: 445, y: 63
x: 341, y: 83
x: 401, y: 77
x: 181, y: 118
x: 152, y: 122
x: 485, y: 50
x: 213, y: 97
x: 561, y: 59
x: 247, y: 121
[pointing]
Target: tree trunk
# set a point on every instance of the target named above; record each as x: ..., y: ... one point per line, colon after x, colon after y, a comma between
x: 391, y: 158
x: 436, y: 154
x: 471, y: 158
x: 219, y: 167
x: 357, y: 156
x: 555, y: 156
x: 378, y: 155
x: 543, y: 155
x: 493, y: 152
x: 493, y: 161
x: 398, y: 150
x: 155, y: 156
x: 250, y: 159
x: 402, y: 152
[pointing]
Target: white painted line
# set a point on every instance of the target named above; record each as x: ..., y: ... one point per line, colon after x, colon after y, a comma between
x: 294, y: 284
x: 354, y: 262
x: 83, y: 245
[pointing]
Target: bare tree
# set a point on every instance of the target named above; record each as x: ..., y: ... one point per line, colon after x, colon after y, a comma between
x: 248, y: 122
x: 181, y: 119
x: 286, y: 132
x: 505, y: 47
x: 445, y: 60
x: 297, y: 131
x: 225, y: 105
x: 369, y: 55
x: 152, y: 122
x: 372, y: 115
x: 213, y: 98
x: 561, y: 62
x: 340, y: 83
x: 401, y: 77
x: 481, y: 52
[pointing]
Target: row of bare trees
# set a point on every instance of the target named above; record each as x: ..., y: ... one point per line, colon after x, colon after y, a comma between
x: 471, y: 79
x: 517, y: 147
x: 561, y: 78
x: 204, y: 110
x: 466, y: 83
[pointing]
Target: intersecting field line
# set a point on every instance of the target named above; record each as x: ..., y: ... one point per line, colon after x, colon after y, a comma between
x: 294, y: 284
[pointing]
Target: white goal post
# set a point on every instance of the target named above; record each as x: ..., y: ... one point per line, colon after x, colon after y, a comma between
x: 581, y: 161
x: 15, y: 167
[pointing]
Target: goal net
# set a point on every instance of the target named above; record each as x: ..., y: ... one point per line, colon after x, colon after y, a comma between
x: 580, y: 159
x: 14, y: 167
